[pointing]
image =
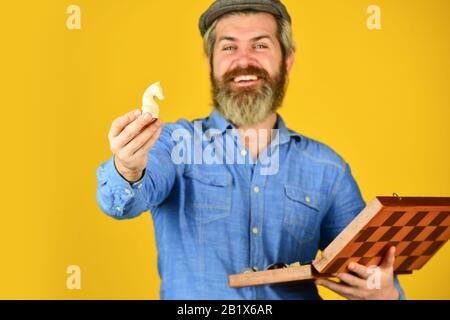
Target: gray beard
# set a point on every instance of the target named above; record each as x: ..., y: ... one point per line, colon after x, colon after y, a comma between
x: 250, y: 106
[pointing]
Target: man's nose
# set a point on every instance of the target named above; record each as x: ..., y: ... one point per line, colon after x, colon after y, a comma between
x: 244, y: 59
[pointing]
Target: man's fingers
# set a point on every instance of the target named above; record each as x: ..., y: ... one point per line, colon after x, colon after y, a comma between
x: 351, y: 280
x: 341, y: 289
x: 359, y: 269
x: 133, y: 129
x: 149, y: 144
x: 141, y: 139
x: 120, y: 123
x: 389, y: 259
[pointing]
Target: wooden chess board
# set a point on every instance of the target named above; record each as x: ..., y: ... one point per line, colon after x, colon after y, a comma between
x: 417, y: 226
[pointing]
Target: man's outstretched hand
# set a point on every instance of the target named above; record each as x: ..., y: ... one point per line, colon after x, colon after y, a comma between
x: 131, y: 137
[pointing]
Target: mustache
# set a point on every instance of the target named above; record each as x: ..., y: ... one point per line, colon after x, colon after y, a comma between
x: 259, y: 72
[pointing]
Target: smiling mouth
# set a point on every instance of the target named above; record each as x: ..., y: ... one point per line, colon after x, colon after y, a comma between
x: 246, y: 80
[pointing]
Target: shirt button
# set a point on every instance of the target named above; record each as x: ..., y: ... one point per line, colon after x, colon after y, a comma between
x: 308, y: 199
x: 243, y: 153
x: 140, y: 186
x: 119, y: 209
x: 256, y: 269
x: 127, y: 191
x: 255, y: 230
x: 256, y: 189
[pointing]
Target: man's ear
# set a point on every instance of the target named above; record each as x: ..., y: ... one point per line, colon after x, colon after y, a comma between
x: 290, y: 62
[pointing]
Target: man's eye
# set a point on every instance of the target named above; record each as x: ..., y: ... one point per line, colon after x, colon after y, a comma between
x: 261, y: 46
x: 228, y: 48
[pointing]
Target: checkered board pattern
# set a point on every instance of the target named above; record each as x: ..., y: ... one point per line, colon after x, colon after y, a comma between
x: 417, y: 226
x: 417, y: 232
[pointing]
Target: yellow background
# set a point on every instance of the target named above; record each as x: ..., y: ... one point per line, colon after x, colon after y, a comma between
x: 379, y: 98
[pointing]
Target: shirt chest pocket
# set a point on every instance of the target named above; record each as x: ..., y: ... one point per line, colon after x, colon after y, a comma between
x: 207, y: 195
x: 301, y: 213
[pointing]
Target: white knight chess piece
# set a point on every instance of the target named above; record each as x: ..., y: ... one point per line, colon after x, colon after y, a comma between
x: 148, y: 100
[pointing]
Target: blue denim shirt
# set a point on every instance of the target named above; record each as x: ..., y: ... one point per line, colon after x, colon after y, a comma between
x: 215, y: 219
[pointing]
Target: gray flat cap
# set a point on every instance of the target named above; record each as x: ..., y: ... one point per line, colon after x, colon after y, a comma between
x: 222, y: 7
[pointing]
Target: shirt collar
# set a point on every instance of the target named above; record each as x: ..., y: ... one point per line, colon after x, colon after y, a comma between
x: 218, y: 122
x: 285, y: 133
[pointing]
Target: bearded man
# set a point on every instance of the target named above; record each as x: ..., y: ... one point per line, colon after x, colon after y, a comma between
x: 214, y: 218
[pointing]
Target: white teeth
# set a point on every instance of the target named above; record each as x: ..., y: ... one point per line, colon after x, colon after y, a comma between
x: 245, y: 78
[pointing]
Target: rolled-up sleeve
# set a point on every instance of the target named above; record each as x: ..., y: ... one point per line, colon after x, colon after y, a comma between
x: 121, y: 199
